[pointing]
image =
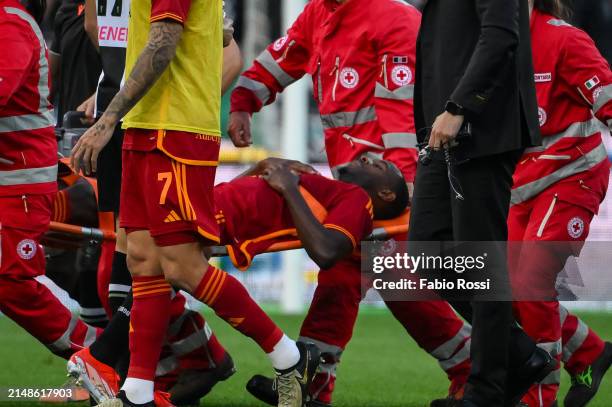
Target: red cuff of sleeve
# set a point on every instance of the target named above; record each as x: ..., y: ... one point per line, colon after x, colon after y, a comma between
x: 243, y: 100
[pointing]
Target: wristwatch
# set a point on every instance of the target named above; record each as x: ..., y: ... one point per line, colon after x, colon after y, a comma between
x: 454, y: 109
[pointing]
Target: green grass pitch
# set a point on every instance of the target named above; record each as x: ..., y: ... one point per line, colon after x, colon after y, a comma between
x: 382, y: 366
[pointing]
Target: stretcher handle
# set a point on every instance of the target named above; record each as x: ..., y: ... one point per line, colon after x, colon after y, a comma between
x: 82, y: 231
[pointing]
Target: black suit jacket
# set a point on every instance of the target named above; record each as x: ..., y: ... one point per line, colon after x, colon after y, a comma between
x: 477, y: 53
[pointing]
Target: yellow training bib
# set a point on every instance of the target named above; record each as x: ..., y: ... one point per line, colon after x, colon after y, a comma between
x: 187, y: 96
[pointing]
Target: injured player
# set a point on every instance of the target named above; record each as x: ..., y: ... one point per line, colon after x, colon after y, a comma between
x: 271, y: 203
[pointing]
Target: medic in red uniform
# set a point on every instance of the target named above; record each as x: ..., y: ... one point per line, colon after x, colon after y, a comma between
x: 361, y: 56
x: 558, y: 188
x: 28, y: 170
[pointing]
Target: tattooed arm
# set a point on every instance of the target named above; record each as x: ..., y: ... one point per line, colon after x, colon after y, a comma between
x: 164, y: 37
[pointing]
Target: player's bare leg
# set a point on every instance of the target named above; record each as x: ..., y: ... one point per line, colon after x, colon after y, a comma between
x: 185, y: 267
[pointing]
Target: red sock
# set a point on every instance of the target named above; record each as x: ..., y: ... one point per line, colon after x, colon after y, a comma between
x: 148, y: 324
x: 232, y: 302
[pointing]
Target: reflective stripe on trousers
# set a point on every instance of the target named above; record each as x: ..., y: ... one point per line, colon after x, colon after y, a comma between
x: 334, y: 350
x: 64, y: 343
x: 583, y: 163
x: 576, y: 341
x: 554, y: 349
x: 183, y: 347
x: 461, y: 356
x: 449, y: 347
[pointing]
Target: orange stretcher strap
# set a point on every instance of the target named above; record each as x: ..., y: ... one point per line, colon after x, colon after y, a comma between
x: 383, y: 230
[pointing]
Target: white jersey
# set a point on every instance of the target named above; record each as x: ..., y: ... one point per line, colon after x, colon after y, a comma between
x: 113, y: 18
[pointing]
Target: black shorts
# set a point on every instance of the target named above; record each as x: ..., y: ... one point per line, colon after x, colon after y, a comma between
x: 109, y: 173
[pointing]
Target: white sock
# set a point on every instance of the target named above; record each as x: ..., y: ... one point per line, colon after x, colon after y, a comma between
x: 138, y: 391
x: 285, y: 354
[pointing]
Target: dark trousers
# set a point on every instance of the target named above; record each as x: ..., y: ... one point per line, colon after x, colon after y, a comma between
x: 437, y: 215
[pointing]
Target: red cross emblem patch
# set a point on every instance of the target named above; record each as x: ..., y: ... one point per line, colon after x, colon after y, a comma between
x: 26, y: 249
x: 542, y: 116
x: 401, y: 75
x: 575, y: 227
x: 349, y: 78
x: 388, y: 247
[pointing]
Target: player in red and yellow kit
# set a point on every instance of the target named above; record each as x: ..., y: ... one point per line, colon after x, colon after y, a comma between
x: 171, y: 146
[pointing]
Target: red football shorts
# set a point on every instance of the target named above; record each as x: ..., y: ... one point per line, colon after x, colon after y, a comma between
x: 22, y: 224
x: 172, y: 200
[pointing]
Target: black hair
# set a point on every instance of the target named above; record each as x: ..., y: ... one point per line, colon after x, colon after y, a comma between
x: 394, y: 209
x: 36, y: 8
x: 556, y: 8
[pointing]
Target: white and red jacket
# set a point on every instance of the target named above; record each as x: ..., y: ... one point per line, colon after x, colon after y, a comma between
x: 574, y: 91
x: 361, y: 56
x: 28, y: 148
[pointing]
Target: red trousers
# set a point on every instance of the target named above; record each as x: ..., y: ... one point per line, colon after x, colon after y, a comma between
x: 552, y: 216
x: 23, y: 221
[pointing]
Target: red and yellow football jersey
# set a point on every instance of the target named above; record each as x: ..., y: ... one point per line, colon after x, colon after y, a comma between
x: 252, y: 216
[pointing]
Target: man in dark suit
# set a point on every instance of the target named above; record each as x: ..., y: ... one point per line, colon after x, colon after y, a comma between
x: 474, y: 67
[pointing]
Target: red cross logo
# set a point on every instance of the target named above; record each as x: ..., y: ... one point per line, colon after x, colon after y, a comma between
x: 26, y: 249
x: 575, y: 227
x: 401, y: 75
x: 542, y: 116
x: 349, y: 78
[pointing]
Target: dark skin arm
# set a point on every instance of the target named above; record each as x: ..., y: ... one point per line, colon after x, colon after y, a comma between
x: 164, y: 37
x: 324, y: 246
x: 263, y: 165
